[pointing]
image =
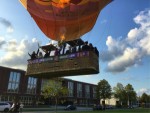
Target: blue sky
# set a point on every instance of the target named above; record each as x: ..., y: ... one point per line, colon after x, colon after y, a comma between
x: 121, y: 33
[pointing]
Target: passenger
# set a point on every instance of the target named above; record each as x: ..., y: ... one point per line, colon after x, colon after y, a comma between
x: 69, y: 50
x: 79, y: 48
x: 40, y: 55
x: 57, y: 51
x: 34, y: 55
x: 47, y: 54
x: 91, y: 48
x: 64, y: 46
x: 96, y: 51
x: 85, y: 47
x: 74, y: 49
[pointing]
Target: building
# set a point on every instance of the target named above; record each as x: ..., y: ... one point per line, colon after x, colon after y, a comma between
x: 16, y: 86
x: 81, y: 93
x: 112, y: 101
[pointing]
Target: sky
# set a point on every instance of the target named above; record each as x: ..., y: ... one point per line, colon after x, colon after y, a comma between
x: 121, y: 34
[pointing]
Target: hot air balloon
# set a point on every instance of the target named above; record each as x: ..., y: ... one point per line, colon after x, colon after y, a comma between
x: 65, y: 19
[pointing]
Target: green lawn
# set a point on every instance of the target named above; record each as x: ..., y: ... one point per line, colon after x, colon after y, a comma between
x: 115, y: 111
x: 139, y: 110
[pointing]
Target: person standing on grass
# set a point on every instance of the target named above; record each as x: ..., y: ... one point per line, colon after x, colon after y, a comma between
x: 21, y: 107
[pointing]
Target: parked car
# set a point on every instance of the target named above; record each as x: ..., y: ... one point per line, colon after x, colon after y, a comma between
x: 97, y: 107
x: 109, y: 107
x: 135, y: 106
x: 70, y: 107
x: 130, y: 107
x: 5, y: 106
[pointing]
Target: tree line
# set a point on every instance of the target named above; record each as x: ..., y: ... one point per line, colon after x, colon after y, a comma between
x: 126, y: 95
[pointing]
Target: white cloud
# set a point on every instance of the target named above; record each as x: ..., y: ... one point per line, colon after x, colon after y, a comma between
x: 124, y: 61
x: 11, y: 45
x: 17, y: 53
x: 14, y: 52
x: 145, y: 44
x: 143, y: 90
x: 111, y: 43
x: 115, y: 49
x: 133, y: 33
x: 143, y: 18
x: 130, y: 51
x: 10, y: 30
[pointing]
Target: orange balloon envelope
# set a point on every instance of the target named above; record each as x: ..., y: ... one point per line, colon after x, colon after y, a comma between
x: 65, y: 19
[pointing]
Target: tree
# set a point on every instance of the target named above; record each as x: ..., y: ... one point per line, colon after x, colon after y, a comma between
x: 144, y: 100
x: 103, y: 90
x: 54, y: 89
x: 131, y: 94
x: 126, y: 95
x: 119, y: 92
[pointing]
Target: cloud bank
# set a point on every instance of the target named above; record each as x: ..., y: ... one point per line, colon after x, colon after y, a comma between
x: 17, y: 53
x: 123, y: 54
x: 14, y: 52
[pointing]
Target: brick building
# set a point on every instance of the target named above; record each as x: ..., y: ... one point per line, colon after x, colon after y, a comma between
x: 16, y: 86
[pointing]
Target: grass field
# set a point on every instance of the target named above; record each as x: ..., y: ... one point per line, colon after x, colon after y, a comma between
x: 52, y: 110
x: 115, y: 111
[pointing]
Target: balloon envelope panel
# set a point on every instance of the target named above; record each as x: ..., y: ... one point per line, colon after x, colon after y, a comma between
x: 65, y: 19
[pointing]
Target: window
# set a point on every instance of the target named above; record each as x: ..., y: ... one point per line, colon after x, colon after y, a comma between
x: 13, y: 84
x: 27, y: 100
x: 31, y: 88
x: 4, y: 98
x: 70, y: 89
x: 94, y: 92
x: 87, y: 91
x: 79, y: 90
